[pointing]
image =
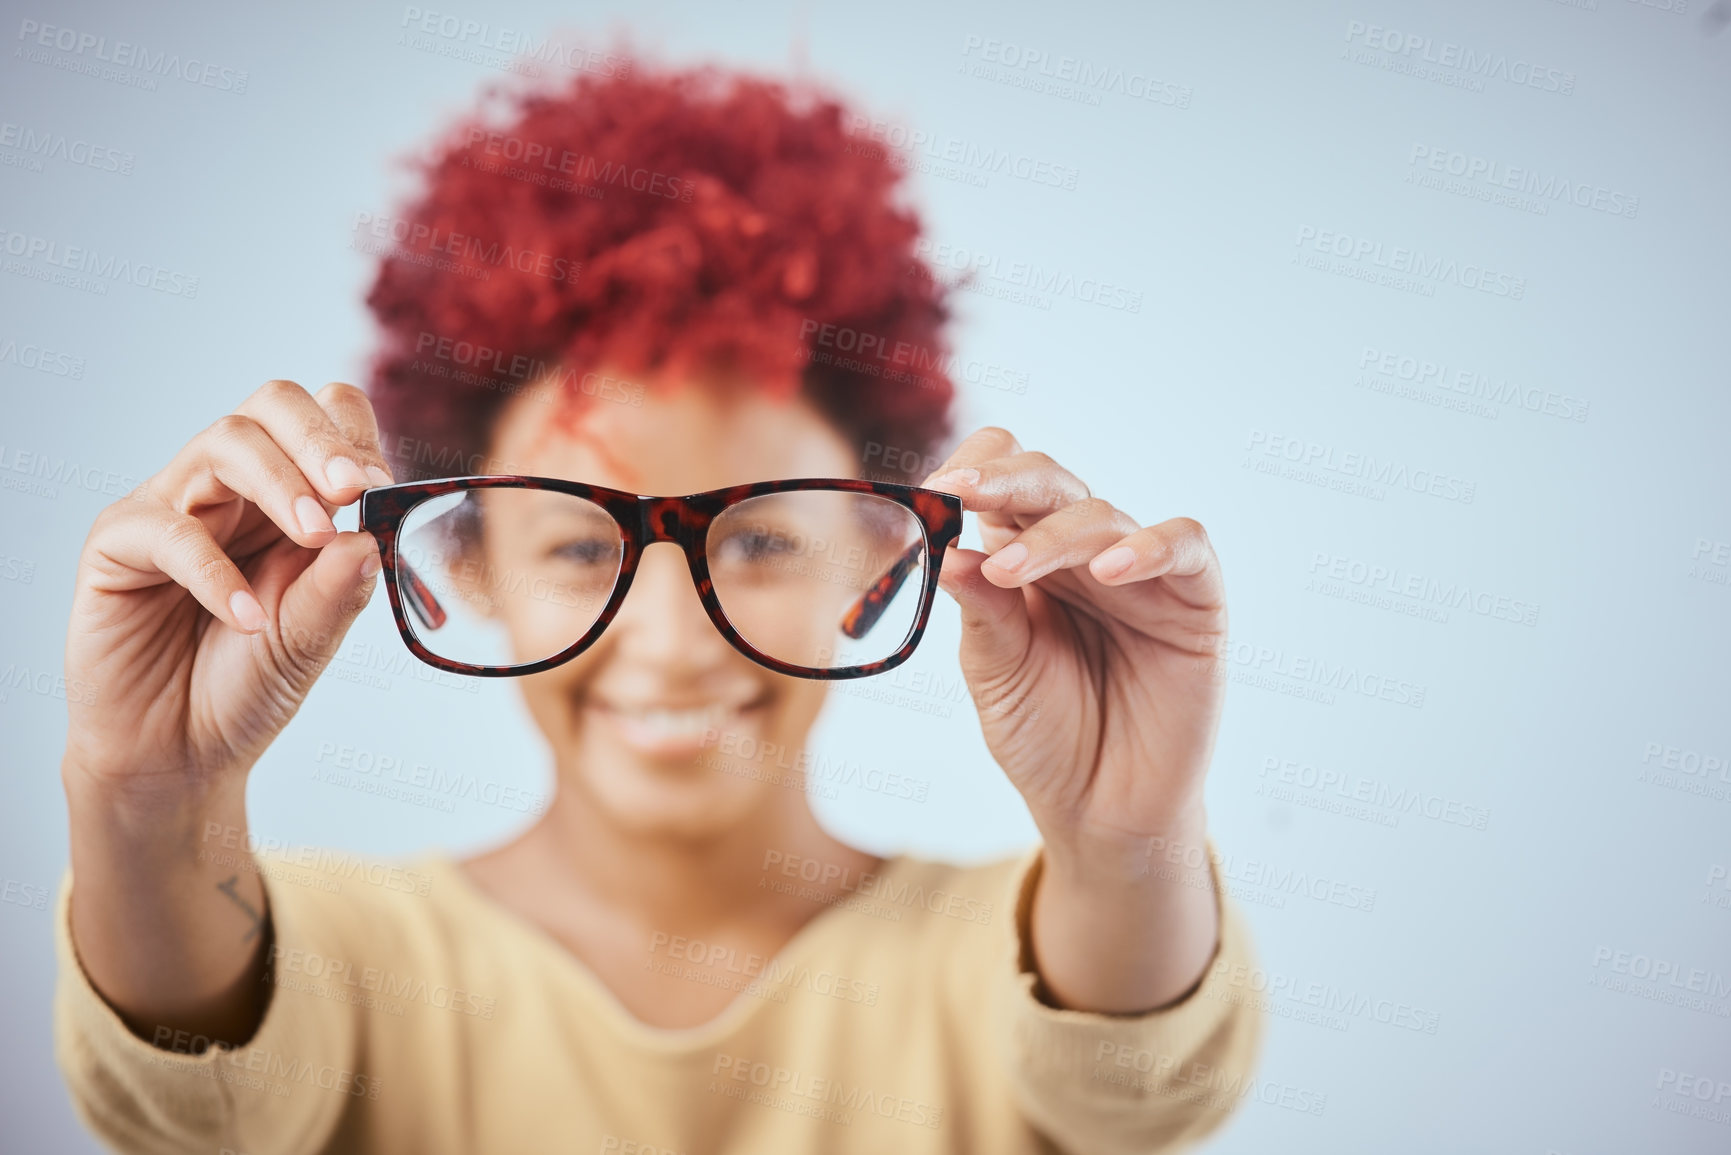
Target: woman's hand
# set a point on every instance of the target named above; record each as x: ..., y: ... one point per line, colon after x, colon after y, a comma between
x: 207, y: 601
x: 210, y: 598
x: 1088, y: 644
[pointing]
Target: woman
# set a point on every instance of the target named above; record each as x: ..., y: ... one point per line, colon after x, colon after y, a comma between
x: 675, y: 956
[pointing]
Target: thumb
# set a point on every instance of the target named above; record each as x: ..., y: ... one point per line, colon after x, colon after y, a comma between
x: 995, y: 630
x: 318, y: 607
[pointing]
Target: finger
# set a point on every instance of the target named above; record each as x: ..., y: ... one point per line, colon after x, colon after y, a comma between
x: 1072, y: 536
x: 1014, y: 486
x: 995, y: 628
x: 1177, y: 550
x: 984, y: 443
x: 130, y: 549
x: 305, y: 431
x: 351, y: 411
x: 981, y: 445
x: 235, y: 457
x: 317, y: 608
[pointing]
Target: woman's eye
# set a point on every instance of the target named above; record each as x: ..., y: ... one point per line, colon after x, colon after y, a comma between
x: 586, y: 551
x: 753, y: 548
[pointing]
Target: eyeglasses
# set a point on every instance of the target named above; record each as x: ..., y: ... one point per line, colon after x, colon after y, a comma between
x: 501, y: 576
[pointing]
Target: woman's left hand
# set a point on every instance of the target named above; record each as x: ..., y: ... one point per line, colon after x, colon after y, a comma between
x: 1088, y: 643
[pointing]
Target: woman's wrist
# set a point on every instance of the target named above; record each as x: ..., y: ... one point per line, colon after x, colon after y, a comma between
x: 150, y: 807
x: 1125, y: 923
x: 169, y: 914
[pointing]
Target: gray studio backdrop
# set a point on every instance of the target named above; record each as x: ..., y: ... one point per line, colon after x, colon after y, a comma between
x: 1420, y: 308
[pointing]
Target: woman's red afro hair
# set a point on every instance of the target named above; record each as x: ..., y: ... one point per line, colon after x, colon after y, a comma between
x: 664, y: 222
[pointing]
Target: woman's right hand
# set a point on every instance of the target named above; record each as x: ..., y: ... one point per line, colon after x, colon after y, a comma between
x: 210, y: 598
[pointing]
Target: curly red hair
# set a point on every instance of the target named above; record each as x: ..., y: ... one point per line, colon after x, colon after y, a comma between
x: 671, y: 223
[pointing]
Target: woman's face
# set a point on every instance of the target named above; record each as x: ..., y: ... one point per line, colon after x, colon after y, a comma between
x: 628, y: 718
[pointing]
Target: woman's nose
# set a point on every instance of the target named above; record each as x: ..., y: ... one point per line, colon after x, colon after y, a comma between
x: 662, y: 620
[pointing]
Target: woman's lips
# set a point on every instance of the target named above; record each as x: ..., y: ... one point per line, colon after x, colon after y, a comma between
x: 662, y: 732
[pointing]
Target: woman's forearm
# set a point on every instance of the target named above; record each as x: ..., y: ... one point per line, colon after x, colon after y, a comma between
x: 168, y: 913
x: 1120, y: 925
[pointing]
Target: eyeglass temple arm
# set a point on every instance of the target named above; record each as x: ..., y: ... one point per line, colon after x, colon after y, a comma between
x: 421, y: 601
x: 864, y: 613
x: 420, y: 598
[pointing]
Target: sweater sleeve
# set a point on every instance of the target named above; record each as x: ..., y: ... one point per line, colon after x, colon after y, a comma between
x: 283, y: 1091
x: 1097, y: 1084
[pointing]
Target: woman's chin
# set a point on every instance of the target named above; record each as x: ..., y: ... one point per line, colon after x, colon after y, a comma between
x: 690, y: 800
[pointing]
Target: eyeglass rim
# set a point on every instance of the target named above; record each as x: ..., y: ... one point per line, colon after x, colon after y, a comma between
x: 383, y: 508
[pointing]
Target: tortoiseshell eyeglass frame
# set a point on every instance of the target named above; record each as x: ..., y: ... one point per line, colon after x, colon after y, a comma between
x: 684, y: 521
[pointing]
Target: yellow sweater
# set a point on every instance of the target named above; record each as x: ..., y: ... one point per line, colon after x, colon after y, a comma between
x: 412, y: 1013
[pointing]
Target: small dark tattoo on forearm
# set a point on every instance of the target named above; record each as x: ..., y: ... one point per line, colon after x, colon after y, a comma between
x: 257, y: 919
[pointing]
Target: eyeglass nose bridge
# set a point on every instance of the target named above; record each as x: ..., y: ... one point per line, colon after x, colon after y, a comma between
x: 684, y: 521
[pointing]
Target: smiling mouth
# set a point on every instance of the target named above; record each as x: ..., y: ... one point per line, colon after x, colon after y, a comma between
x: 659, y: 729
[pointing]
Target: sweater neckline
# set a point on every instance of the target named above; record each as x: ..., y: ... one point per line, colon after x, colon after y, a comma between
x: 739, y: 1010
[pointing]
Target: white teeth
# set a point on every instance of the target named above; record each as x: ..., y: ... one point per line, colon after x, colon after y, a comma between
x: 678, y: 722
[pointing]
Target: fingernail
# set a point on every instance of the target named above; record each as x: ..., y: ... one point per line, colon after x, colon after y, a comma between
x: 1114, y: 561
x: 312, y: 516
x: 246, y: 611
x: 341, y: 473
x: 958, y: 477
x: 1011, y: 557
x: 371, y: 564
x: 379, y: 476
